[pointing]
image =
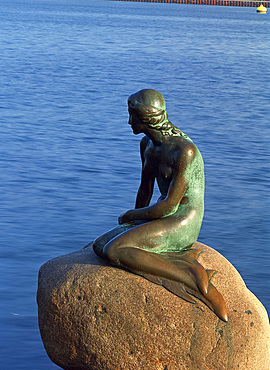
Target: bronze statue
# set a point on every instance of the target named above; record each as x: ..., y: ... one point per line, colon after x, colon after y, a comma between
x: 155, y: 241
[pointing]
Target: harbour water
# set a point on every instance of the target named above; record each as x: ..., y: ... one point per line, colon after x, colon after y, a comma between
x: 69, y: 163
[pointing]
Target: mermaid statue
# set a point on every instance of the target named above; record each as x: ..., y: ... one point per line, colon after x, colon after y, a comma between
x: 155, y: 240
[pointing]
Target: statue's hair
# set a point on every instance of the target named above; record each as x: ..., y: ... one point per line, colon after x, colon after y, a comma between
x: 150, y: 107
x: 149, y: 115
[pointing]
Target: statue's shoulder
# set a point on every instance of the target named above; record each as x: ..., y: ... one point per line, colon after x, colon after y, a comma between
x: 144, y: 142
x: 187, y: 151
x: 188, y: 146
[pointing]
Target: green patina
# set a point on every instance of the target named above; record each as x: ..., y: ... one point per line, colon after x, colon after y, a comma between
x: 155, y: 240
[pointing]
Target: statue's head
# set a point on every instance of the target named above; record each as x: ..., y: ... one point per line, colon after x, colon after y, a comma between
x: 150, y: 107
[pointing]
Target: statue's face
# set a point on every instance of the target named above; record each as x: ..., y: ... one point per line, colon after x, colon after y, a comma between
x: 136, y: 124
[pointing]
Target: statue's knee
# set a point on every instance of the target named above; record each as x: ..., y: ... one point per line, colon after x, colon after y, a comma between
x: 111, y: 252
x: 98, y: 247
x: 98, y: 240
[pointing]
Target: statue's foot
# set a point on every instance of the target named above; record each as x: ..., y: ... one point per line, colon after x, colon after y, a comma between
x: 191, y: 269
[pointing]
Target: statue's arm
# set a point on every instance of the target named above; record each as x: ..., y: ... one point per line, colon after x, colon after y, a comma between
x: 145, y: 191
x: 176, y: 191
x: 146, y: 187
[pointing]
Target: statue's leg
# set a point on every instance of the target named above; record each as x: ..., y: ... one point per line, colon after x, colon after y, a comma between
x: 102, y: 240
x: 133, y: 248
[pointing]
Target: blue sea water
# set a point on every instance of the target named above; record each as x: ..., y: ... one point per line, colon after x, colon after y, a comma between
x: 69, y: 163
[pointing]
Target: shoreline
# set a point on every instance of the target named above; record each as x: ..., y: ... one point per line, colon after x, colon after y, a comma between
x: 244, y: 3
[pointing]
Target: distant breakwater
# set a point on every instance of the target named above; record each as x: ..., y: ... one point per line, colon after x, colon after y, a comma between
x: 209, y: 2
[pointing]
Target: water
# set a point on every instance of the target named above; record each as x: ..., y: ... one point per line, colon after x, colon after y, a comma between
x: 69, y: 162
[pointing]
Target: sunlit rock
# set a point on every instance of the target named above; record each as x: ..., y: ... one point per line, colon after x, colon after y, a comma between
x: 94, y: 316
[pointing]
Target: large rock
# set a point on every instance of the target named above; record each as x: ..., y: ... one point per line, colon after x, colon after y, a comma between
x: 94, y: 316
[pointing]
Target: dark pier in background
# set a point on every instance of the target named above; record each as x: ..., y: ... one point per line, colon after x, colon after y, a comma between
x: 210, y: 2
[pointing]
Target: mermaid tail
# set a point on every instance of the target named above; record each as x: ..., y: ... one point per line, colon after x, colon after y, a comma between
x: 191, y: 271
x: 173, y: 286
x: 187, y: 259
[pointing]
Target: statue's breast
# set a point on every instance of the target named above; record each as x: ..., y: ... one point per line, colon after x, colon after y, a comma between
x: 165, y: 172
x: 159, y: 162
x: 164, y: 178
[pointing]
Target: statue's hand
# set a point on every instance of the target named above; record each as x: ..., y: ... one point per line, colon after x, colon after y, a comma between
x: 125, y: 218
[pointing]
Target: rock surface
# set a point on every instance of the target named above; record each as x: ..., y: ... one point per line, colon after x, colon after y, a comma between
x: 94, y: 316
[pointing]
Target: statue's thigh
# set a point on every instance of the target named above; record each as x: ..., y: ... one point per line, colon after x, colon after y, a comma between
x: 151, y: 235
x: 108, y: 236
x: 158, y: 235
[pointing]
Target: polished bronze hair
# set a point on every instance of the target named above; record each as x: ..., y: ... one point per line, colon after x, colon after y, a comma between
x: 149, y: 105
